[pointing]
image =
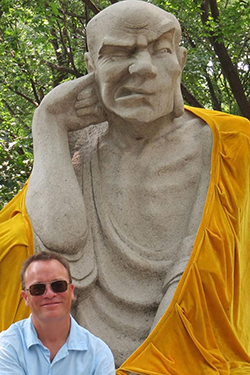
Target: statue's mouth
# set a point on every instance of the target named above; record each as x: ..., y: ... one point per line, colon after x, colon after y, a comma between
x: 131, y: 93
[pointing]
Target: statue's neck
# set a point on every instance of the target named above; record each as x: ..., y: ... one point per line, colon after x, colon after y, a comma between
x: 128, y: 133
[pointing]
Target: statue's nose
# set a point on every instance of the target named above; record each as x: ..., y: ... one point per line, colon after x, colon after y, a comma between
x: 142, y: 65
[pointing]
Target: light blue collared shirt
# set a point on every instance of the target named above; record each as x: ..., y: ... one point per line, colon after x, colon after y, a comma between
x: 22, y: 353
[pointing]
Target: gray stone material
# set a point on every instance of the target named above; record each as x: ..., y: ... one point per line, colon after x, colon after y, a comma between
x: 121, y: 173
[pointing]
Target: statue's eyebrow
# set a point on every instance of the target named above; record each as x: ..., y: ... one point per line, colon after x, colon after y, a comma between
x: 168, y: 34
x: 113, y: 43
x: 167, y: 26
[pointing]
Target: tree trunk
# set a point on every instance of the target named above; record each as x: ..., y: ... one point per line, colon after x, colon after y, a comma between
x: 189, y: 97
x: 228, y: 68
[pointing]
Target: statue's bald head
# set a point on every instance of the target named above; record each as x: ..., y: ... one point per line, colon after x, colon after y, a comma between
x: 131, y: 41
x: 129, y: 15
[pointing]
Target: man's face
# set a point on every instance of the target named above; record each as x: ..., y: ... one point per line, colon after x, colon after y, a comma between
x: 50, y: 305
x: 137, y: 68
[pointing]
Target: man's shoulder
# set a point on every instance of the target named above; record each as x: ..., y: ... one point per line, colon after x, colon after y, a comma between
x: 13, y: 333
x: 84, y: 336
x: 96, y: 352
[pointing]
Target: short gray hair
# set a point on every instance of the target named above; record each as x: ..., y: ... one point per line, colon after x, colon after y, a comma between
x: 44, y: 256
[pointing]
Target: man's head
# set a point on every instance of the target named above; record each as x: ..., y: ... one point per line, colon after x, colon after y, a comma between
x: 44, y: 256
x: 135, y: 54
x: 47, y: 286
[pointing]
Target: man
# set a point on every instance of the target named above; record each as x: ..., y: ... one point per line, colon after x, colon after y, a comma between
x: 50, y: 340
x: 152, y: 218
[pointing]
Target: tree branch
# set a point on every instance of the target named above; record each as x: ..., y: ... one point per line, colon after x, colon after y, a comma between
x: 188, y: 37
x: 64, y: 69
x: 22, y: 95
x: 92, y: 6
x: 189, y: 97
x: 216, y: 103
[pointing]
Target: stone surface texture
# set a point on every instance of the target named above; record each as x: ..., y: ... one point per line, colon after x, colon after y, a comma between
x: 121, y: 173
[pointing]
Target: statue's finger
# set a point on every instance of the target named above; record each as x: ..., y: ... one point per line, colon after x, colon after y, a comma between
x: 87, y: 102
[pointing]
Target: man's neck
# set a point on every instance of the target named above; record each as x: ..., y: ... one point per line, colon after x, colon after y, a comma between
x: 53, y: 334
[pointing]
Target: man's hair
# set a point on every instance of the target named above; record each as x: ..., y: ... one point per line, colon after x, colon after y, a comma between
x: 44, y: 256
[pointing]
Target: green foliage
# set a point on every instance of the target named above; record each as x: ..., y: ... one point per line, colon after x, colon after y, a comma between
x: 203, y: 73
x: 16, y: 155
x: 42, y: 44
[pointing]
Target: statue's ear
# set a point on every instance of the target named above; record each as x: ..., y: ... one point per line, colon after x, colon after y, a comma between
x: 89, y: 62
x: 178, y: 99
x: 182, y: 56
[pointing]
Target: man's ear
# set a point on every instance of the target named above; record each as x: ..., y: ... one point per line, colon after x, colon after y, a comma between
x: 89, y: 62
x: 72, y: 288
x: 25, y: 297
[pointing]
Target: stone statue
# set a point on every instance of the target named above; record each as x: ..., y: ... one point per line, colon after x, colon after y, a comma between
x: 121, y: 173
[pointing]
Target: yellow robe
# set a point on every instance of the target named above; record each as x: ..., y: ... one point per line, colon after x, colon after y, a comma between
x: 16, y: 245
x: 206, y: 328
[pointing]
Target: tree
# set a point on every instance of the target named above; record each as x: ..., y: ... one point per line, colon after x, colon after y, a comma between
x: 42, y: 44
x: 216, y: 34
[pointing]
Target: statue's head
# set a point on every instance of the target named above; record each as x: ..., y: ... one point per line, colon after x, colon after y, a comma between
x: 135, y: 54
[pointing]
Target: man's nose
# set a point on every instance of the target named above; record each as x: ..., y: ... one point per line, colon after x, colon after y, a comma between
x: 142, y: 65
x: 49, y: 291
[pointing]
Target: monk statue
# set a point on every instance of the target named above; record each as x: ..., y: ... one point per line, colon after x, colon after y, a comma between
x: 132, y: 187
x: 127, y: 212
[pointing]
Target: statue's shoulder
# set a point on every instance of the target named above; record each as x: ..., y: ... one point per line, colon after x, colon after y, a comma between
x: 83, y: 145
x: 84, y: 142
x: 223, y: 122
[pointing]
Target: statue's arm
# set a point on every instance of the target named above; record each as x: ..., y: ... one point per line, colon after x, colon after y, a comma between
x: 54, y: 199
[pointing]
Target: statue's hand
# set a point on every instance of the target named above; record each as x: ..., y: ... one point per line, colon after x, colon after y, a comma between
x: 74, y: 104
x: 88, y: 105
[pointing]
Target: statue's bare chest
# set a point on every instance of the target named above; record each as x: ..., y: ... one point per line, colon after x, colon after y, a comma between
x: 150, y: 190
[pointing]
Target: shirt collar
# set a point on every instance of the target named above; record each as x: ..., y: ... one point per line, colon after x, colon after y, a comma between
x: 30, y: 333
x: 73, y: 342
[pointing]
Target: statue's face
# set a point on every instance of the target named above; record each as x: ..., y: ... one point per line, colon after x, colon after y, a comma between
x: 137, y: 68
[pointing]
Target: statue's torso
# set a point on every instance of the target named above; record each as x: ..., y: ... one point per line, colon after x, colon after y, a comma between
x: 150, y: 190
x: 143, y: 203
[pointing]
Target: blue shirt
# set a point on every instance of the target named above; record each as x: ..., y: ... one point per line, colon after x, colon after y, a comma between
x: 22, y: 353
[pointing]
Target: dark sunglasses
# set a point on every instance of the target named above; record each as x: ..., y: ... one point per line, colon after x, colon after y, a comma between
x: 59, y: 286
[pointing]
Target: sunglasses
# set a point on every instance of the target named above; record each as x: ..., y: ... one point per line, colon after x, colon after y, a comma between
x: 59, y: 286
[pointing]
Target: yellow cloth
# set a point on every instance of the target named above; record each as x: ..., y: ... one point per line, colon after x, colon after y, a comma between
x: 206, y: 329
x: 16, y: 245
